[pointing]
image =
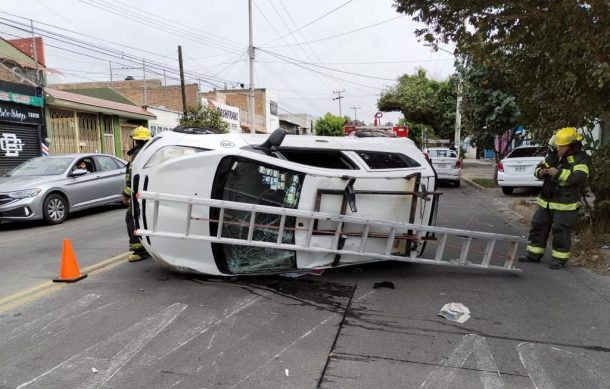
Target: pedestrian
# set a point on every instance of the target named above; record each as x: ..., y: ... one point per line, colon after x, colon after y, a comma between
x: 140, y: 136
x: 564, y: 171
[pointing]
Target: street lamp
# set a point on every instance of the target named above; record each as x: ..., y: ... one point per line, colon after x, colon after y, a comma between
x: 458, y: 115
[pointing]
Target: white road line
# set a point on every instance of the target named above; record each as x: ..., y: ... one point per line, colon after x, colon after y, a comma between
x: 529, y: 359
x: 444, y: 374
x: 76, y: 371
x: 48, y: 319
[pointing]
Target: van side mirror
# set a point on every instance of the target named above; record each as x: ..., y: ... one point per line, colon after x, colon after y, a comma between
x: 273, y: 141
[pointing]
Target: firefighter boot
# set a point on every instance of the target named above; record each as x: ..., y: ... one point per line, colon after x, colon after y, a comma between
x: 529, y: 257
x: 137, y: 253
x: 557, y: 264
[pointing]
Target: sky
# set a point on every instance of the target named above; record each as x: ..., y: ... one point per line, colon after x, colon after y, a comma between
x: 306, y: 51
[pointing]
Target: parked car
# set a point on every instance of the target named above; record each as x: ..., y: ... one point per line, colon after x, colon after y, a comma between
x: 517, y: 168
x: 446, y: 163
x: 50, y: 188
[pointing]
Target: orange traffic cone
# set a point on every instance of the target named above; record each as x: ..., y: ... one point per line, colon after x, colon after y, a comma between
x: 69, y: 271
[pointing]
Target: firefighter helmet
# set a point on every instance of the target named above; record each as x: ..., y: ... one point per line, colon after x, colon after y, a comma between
x: 140, y: 133
x: 566, y: 136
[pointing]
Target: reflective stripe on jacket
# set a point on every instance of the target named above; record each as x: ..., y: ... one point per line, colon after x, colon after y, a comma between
x: 562, y: 192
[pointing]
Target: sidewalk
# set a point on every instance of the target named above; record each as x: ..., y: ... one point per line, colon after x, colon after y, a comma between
x: 477, y: 168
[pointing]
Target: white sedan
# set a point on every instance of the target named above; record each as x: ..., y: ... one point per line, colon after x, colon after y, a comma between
x: 517, y: 168
x: 446, y: 163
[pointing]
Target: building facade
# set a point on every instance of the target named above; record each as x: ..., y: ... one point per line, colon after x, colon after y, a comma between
x: 166, y: 120
x: 77, y: 124
x: 266, y: 107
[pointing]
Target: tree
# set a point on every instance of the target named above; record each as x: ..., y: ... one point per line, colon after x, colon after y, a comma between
x: 205, y: 117
x: 488, y: 110
x: 330, y: 125
x: 557, y: 51
x: 426, y: 104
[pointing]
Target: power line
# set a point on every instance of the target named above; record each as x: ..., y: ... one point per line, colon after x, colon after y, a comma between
x: 339, y: 35
x: 127, y: 14
x: 101, y: 49
x: 312, y: 22
x: 327, y: 68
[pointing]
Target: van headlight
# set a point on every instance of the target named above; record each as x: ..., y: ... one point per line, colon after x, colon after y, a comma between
x: 23, y: 194
x: 170, y: 152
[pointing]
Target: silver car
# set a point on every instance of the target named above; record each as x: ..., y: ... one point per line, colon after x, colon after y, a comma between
x: 51, y: 187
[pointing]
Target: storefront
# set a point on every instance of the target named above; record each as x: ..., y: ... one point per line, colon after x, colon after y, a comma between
x: 21, y: 124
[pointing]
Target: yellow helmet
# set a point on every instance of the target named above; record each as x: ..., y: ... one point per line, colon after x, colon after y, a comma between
x: 566, y: 136
x: 140, y: 133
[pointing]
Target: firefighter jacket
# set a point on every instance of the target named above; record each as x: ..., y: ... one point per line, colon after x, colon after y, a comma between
x: 133, y: 152
x: 562, y: 192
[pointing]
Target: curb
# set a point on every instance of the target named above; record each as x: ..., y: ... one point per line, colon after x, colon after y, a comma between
x: 473, y: 184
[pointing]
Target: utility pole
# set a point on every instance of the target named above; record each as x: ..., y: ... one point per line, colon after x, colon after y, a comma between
x: 355, y: 108
x: 144, y: 77
x: 251, y: 102
x: 110, y: 65
x: 182, y: 80
x: 164, y: 78
x: 339, y: 97
x: 35, y: 52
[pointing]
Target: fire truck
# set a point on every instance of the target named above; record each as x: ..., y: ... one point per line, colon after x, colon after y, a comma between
x: 387, y: 131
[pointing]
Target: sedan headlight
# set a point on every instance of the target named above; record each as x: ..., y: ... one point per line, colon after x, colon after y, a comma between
x: 170, y: 152
x: 22, y: 194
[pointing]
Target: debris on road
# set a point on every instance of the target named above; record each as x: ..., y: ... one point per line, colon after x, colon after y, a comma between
x: 383, y: 284
x: 455, y: 312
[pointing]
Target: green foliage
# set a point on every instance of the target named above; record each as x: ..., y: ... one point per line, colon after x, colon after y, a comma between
x: 599, y: 181
x: 555, y: 52
x: 488, y: 110
x: 205, y: 117
x: 425, y: 103
x: 330, y: 125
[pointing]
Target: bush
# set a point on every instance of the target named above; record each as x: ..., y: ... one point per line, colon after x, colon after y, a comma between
x: 599, y: 178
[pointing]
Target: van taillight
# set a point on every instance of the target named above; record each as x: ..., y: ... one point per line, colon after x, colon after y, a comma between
x: 458, y: 164
x: 500, y: 167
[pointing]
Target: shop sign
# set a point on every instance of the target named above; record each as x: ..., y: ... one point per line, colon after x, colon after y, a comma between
x: 228, y: 114
x: 12, y: 97
x: 15, y: 113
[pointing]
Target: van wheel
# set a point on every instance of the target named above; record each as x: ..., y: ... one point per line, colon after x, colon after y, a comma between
x: 54, y: 209
x: 507, y: 190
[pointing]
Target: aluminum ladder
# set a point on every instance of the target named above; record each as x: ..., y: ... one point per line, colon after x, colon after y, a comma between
x: 394, y: 231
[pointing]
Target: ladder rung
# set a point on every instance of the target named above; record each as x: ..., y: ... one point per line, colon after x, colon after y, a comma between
x: 337, y: 236
x: 488, y: 252
x: 189, y: 215
x: 251, y: 226
x: 465, y: 249
x: 280, y: 232
x: 155, y: 214
x: 309, y: 233
x: 365, y: 236
x: 440, y: 250
x: 510, y: 257
x: 221, y: 219
x: 390, y: 243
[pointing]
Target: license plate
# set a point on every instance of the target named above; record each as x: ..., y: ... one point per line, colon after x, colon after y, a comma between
x: 520, y: 168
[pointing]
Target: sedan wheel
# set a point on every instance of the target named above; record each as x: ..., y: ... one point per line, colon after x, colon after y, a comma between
x: 507, y: 190
x: 55, y: 209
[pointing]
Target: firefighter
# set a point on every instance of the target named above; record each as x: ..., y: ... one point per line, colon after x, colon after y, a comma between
x: 140, y: 136
x: 564, y: 171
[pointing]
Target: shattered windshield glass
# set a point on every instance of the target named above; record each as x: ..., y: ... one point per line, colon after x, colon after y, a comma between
x: 248, y: 181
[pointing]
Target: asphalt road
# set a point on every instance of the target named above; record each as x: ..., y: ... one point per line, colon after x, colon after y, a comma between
x: 136, y: 325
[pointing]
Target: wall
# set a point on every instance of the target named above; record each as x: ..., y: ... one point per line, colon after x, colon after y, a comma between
x: 166, y: 120
x: 169, y: 97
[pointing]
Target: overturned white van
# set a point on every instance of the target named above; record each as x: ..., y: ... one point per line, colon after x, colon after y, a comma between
x: 237, y: 204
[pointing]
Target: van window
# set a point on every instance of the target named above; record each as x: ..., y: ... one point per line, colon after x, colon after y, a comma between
x: 377, y: 160
x: 329, y: 159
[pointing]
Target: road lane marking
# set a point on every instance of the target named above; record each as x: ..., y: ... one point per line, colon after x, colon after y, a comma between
x: 48, y: 287
x: 76, y: 371
x: 444, y: 374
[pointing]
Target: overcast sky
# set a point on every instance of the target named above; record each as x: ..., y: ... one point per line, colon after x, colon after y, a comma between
x: 307, y: 49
